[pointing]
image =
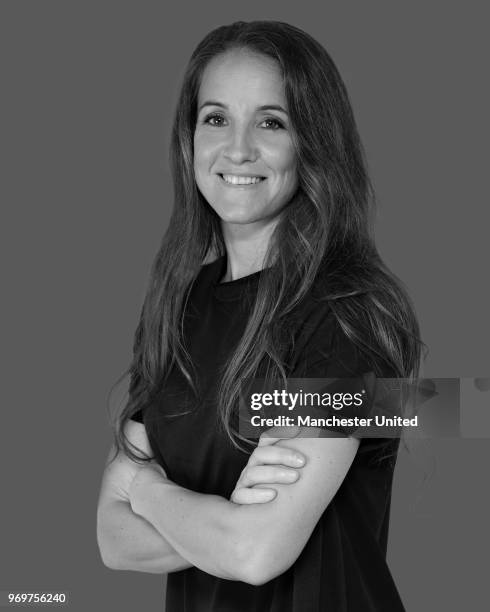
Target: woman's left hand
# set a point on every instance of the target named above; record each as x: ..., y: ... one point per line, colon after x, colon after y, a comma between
x: 268, y: 465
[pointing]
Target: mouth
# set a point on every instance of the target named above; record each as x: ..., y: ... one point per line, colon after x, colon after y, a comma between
x: 241, y: 181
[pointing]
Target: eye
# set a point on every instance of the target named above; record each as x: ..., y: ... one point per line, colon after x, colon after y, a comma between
x: 273, y: 124
x: 214, y: 119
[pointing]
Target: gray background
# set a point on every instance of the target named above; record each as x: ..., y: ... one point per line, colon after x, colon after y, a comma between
x: 87, y: 95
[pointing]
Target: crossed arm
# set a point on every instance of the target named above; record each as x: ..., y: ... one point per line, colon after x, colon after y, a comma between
x: 152, y: 524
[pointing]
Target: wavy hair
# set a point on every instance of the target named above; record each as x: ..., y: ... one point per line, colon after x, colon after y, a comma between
x: 324, y: 232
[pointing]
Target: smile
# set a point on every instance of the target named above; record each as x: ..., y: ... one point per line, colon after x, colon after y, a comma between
x: 233, y: 179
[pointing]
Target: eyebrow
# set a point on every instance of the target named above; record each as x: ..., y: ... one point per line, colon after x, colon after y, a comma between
x: 265, y: 107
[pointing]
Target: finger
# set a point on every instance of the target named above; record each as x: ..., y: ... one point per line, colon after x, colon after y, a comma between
x: 271, y: 436
x: 253, y: 496
x: 267, y: 474
x: 277, y: 455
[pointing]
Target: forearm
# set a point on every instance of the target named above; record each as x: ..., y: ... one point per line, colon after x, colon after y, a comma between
x: 205, y: 529
x: 253, y: 543
x: 129, y: 542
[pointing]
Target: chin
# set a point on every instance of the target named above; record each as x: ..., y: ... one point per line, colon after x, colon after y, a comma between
x: 239, y: 219
x: 246, y: 215
x: 232, y: 213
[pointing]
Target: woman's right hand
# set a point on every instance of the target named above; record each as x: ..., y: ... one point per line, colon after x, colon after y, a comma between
x: 267, y: 465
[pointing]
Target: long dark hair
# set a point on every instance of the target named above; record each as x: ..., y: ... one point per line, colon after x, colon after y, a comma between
x: 325, y: 231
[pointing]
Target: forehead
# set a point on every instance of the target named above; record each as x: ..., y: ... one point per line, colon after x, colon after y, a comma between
x: 242, y: 75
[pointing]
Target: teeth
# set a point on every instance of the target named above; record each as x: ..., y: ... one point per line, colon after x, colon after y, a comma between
x: 241, y: 180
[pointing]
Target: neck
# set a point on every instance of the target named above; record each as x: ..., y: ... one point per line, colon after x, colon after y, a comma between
x: 246, y: 248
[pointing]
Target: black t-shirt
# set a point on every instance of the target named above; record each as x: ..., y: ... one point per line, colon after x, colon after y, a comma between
x: 342, y: 567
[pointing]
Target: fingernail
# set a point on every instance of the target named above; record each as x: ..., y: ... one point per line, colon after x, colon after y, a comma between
x: 299, y: 459
x: 290, y: 475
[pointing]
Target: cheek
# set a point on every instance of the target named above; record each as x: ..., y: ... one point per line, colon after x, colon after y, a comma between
x: 283, y: 159
x: 290, y: 161
x: 201, y: 165
x: 200, y: 155
x: 288, y: 171
x: 205, y: 149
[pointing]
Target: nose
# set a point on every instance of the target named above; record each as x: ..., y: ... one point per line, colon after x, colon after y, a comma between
x: 240, y: 146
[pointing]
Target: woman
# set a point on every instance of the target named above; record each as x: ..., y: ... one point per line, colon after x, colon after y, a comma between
x: 268, y: 268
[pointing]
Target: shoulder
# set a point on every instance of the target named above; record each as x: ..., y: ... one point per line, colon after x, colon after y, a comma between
x: 340, y: 332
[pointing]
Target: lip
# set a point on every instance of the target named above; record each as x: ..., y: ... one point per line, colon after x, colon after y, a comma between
x: 251, y: 185
x: 249, y: 174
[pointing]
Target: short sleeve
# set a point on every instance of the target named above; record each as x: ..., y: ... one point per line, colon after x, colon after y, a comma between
x: 332, y: 355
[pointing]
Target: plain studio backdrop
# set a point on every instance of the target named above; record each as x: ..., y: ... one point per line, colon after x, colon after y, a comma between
x: 88, y: 90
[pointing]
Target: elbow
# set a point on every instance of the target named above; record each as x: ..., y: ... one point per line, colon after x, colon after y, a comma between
x: 112, y: 558
x: 107, y: 556
x: 255, y: 578
x: 110, y: 562
x: 107, y: 551
x: 259, y: 565
x: 258, y: 573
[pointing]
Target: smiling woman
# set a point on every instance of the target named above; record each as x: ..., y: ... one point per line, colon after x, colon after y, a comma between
x: 244, y: 156
x: 268, y: 269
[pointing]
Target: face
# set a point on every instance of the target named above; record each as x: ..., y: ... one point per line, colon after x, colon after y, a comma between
x: 244, y: 159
